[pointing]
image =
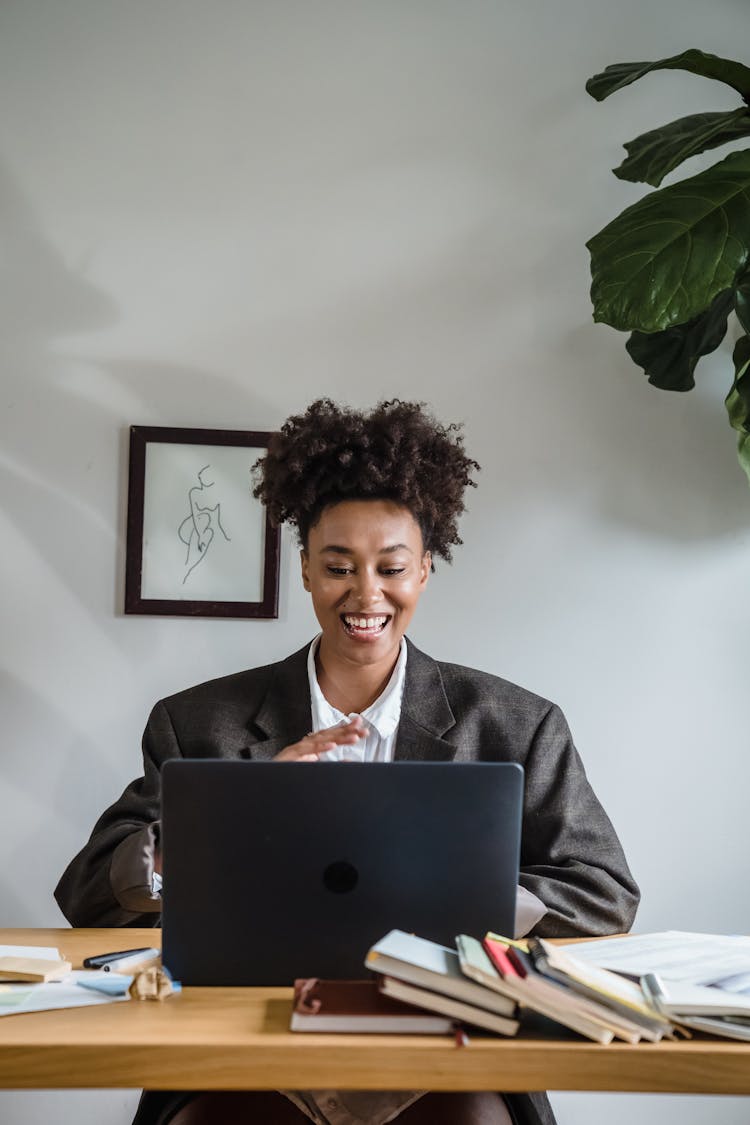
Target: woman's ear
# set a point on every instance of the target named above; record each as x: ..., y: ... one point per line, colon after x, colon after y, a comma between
x: 304, y: 559
x: 425, y: 567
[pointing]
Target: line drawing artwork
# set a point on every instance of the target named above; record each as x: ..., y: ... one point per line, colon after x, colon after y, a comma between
x: 197, y: 530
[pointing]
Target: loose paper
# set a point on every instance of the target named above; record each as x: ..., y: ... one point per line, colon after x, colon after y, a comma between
x: 67, y: 993
x: 722, y: 960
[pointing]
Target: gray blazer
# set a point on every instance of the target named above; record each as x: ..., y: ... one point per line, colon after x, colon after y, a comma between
x: 571, y: 858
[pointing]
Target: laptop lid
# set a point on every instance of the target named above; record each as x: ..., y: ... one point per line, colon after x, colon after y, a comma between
x: 280, y: 870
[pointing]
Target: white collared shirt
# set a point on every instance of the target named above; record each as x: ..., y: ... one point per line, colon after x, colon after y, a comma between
x: 381, y: 718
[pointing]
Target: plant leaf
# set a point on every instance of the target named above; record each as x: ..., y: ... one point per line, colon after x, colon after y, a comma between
x: 653, y: 155
x: 738, y: 401
x: 669, y: 358
x: 665, y: 258
x: 616, y: 77
x: 742, y: 302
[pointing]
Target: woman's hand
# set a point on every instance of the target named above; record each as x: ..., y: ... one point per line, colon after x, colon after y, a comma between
x: 310, y: 748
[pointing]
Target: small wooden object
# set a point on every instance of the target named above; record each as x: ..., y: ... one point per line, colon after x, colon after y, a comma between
x: 151, y: 984
x: 33, y: 969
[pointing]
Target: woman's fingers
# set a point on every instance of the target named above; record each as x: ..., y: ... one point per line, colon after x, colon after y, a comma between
x: 343, y: 734
x: 309, y: 748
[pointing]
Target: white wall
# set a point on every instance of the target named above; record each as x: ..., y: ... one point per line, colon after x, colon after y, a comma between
x: 213, y: 213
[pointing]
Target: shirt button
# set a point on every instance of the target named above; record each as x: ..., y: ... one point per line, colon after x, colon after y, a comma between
x: 332, y: 1103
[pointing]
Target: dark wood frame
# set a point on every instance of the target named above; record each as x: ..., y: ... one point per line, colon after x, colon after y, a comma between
x: 140, y: 436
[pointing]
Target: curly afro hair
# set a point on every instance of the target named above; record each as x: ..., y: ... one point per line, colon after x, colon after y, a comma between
x: 398, y: 451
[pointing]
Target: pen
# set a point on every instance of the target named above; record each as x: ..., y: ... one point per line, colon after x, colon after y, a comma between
x: 121, y: 960
x: 123, y: 964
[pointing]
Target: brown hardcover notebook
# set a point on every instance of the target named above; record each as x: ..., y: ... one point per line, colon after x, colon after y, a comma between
x: 359, y: 1006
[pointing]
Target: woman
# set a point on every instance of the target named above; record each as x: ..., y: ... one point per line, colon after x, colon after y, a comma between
x: 373, y: 498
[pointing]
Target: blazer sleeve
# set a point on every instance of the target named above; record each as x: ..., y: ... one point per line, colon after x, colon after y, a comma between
x: 571, y: 857
x: 109, y: 882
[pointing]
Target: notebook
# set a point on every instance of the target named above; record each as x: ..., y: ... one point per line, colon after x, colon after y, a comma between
x: 359, y: 1006
x: 274, y: 871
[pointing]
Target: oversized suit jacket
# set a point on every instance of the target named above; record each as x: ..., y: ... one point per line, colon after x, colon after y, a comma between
x: 570, y: 855
x: 571, y: 858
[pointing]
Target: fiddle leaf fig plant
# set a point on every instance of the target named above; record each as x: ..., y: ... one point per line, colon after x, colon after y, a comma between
x: 674, y: 267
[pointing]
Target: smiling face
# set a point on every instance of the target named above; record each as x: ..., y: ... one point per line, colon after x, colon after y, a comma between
x: 366, y: 567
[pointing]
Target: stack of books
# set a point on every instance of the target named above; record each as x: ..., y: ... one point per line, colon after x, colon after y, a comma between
x: 594, y: 1002
x: 414, y: 977
x: 532, y: 974
x: 420, y: 972
x: 483, y: 984
x: 716, y: 1011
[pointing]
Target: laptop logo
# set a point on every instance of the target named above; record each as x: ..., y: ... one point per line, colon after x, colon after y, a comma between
x: 340, y: 877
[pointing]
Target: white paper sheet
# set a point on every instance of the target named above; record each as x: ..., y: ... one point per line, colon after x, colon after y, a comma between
x: 45, y: 952
x: 16, y: 999
x: 673, y: 955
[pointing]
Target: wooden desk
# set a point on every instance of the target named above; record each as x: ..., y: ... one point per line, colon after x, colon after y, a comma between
x: 235, y: 1038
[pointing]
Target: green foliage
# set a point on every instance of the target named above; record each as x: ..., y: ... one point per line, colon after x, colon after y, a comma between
x: 652, y: 156
x: 738, y: 401
x: 616, y: 77
x: 664, y: 260
x: 673, y: 267
x: 669, y: 357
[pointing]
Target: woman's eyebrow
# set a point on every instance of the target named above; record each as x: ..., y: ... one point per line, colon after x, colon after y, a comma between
x: 334, y: 549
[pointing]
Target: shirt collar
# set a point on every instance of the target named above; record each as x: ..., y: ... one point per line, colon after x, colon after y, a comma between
x: 384, y: 714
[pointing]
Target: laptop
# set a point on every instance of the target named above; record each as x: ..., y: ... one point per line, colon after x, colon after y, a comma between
x: 274, y: 871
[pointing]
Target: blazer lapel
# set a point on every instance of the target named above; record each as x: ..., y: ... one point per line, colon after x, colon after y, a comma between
x: 426, y: 714
x: 285, y: 713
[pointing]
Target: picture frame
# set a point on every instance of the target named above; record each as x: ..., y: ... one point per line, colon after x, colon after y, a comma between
x: 198, y: 543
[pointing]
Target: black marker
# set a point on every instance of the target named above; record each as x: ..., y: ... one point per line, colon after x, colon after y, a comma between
x: 122, y: 959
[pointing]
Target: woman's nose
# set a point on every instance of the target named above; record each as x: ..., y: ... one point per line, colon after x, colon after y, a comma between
x: 367, y: 590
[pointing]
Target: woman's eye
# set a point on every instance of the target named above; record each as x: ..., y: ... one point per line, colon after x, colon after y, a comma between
x: 338, y: 570
x: 394, y: 570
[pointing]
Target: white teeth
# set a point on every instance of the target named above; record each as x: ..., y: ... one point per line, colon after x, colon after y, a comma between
x: 365, y: 622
